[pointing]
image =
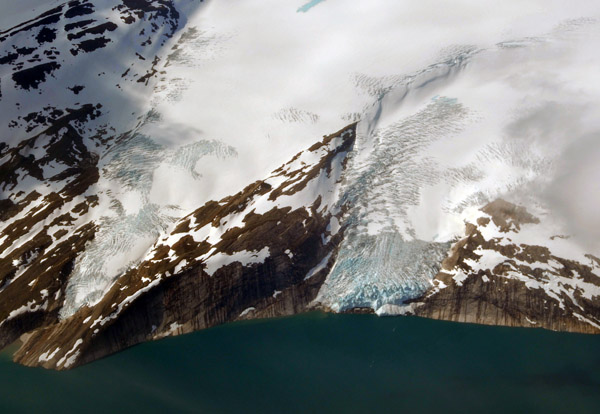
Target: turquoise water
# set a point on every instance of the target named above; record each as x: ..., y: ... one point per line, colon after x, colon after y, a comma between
x: 326, y: 364
x: 306, y: 7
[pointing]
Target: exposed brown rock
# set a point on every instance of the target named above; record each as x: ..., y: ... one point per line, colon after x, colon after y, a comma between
x: 505, y: 215
x: 501, y: 296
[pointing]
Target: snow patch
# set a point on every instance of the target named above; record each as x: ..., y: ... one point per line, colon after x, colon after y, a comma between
x: 244, y: 257
x: 247, y: 311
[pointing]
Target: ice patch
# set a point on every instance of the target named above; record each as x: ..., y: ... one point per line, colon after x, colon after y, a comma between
x: 320, y: 266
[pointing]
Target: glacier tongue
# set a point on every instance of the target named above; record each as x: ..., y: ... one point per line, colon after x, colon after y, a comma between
x: 137, y: 219
x: 373, y: 271
x: 119, y: 243
x: 381, y: 260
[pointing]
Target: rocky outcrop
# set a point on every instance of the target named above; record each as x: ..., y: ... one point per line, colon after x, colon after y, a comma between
x: 493, y: 276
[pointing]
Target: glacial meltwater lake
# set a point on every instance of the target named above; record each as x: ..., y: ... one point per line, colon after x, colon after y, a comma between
x: 318, y: 363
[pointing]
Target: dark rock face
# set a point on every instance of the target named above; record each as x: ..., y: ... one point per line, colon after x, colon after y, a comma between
x: 261, y: 258
x: 32, y: 77
x: 496, y: 281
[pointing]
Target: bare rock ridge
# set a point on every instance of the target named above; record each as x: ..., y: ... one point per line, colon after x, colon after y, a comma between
x: 264, y: 251
x: 492, y: 278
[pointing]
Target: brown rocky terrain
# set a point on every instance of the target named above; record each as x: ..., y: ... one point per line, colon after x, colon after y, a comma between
x: 495, y: 281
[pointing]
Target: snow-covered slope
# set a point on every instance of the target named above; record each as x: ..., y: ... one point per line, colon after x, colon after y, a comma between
x: 124, y: 119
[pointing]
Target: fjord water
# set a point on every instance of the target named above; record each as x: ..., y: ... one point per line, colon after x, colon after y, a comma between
x: 324, y: 364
